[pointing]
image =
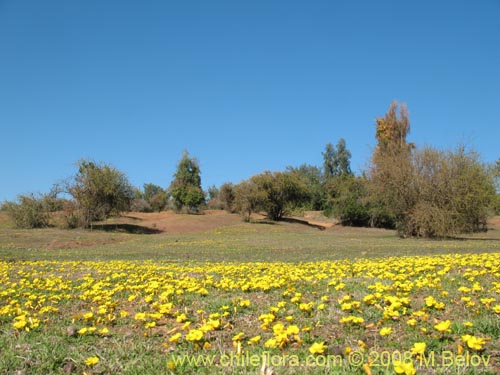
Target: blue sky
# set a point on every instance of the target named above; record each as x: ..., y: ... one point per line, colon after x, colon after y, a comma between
x: 244, y: 86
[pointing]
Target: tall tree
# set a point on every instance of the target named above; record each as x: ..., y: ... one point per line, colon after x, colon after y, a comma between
x: 185, y: 189
x: 336, y: 160
x: 390, y: 174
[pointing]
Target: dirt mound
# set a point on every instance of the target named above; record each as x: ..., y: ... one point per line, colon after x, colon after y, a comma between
x: 172, y: 223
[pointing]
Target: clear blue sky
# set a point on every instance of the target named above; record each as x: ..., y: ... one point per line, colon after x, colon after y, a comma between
x: 245, y: 86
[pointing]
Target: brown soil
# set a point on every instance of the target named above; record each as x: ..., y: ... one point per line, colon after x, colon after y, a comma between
x: 172, y: 223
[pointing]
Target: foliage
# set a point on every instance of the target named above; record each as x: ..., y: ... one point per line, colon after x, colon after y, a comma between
x: 29, y: 211
x: 312, y: 178
x: 159, y: 201
x: 453, y: 194
x: 391, y: 188
x: 214, y: 202
x: 336, y: 160
x: 100, y: 191
x: 248, y: 198
x: 349, y: 200
x: 281, y: 190
x: 427, y: 193
x: 185, y: 189
x: 226, y: 196
x: 140, y: 205
x: 150, y: 190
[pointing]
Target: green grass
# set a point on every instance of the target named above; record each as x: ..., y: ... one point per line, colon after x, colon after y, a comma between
x: 243, y: 242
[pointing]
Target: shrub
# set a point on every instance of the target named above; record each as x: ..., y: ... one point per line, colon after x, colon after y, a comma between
x: 140, y: 205
x: 29, y: 212
x: 100, y: 191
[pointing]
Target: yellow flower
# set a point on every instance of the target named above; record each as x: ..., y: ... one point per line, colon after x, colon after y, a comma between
x: 238, y: 337
x: 418, y: 348
x: 88, y: 316
x: 171, y: 366
x: 443, y: 326
x: 20, y: 324
x: 194, y: 335
x: 207, y: 345
x: 245, y: 303
x: 385, y: 331
x: 103, y: 331
x: 92, y: 361
x: 271, y: 343
x: 175, y: 337
x: 292, y: 330
x: 473, y: 342
x: 412, y: 322
x: 140, y: 316
x: 405, y: 368
x: 181, y: 318
x: 317, y: 348
x: 254, y: 340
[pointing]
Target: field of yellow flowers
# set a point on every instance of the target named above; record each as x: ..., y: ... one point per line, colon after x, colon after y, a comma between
x: 397, y: 315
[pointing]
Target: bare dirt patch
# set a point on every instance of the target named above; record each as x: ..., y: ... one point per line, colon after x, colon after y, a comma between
x: 172, y: 223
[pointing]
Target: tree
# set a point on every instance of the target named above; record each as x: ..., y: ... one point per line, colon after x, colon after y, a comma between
x: 248, y: 198
x: 150, y: 190
x: 425, y: 193
x: 282, y: 191
x: 227, y: 196
x: 391, y: 189
x: 336, y: 160
x: 349, y: 200
x: 100, y: 191
x: 186, y: 188
x: 312, y: 178
x: 454, y: 191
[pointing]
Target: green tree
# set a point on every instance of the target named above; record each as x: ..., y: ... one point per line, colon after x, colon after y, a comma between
x: 282, y: 191
x: 227, y: 196
x: 185, y: 189
x: 349, y: 200
x: 100, y: 191
x: 336, y: 160
x: 453, y: 194
x: 312, y: 178
x: 150, y: 190
x: 248, y: 198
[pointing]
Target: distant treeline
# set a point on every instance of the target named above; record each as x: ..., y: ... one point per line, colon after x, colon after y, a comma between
x: 419, y: 192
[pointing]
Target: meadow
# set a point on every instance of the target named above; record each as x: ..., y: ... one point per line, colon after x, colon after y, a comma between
x: 222, y: 299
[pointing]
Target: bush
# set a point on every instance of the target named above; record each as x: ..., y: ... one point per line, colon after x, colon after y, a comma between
x: 29, y: 212
x: 159, y: 201
x: 72, y: 215
x: 348, y: 200
x: 100, y: 191
x: 225, y: 197
x: 140, y: 205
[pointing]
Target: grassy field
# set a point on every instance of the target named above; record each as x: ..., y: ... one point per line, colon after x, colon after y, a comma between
x: 214, y: 295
